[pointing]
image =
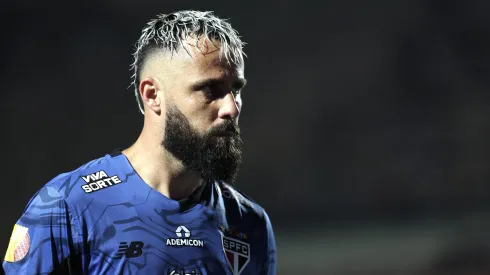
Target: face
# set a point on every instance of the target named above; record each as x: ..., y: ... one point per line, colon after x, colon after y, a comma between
x: 215, y: 155
x: 202, y: 103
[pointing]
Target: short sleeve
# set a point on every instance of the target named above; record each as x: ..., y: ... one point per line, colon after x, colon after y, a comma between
x: 45, y: 239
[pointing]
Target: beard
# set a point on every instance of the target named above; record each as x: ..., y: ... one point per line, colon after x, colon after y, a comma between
x: 213, y: 155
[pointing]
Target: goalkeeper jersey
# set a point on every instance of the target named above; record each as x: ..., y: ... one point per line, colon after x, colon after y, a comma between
x: 102, y: 218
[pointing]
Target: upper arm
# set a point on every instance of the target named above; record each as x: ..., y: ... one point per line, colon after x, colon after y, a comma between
x: 45, y: 239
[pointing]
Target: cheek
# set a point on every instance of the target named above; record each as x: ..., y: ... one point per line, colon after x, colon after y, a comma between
x: 201, y: 115
x: 199, y: 108
x: 192, y: 106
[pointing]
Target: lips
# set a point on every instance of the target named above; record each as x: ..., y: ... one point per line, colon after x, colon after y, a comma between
x: 226, y: 129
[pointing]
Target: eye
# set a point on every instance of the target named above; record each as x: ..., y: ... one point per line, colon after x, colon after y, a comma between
x: 215, y: 91
x: 212, y: 92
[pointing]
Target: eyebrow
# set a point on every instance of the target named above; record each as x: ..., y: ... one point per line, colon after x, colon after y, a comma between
x: 238, y: 84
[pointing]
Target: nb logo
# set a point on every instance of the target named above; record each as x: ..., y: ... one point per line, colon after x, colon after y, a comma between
x: 134, y: 249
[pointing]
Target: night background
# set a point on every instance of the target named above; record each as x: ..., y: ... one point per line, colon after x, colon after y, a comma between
x: 366, y: 123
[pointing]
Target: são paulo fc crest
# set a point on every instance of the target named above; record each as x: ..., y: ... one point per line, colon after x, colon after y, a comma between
x: 237, y: 254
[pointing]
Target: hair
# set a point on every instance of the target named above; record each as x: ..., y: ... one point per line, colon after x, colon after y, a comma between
x: 167, y: 32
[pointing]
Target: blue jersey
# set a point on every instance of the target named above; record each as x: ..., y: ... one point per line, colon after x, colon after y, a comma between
x: 104, y: 219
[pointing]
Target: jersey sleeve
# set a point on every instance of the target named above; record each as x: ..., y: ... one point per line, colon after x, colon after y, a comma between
x: 45, y: 239
x: 269, y: 264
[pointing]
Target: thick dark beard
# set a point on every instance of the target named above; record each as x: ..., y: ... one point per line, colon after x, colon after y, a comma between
x: 213, y: 157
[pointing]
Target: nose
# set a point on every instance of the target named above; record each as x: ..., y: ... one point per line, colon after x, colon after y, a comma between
x: 229, y: 108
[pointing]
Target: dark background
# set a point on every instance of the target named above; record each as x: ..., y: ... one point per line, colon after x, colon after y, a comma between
x: 366, y: 123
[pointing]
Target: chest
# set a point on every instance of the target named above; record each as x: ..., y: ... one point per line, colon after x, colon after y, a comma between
x: 134, y: 241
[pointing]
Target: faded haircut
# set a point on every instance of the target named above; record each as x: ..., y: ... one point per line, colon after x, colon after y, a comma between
x: 168, y: 32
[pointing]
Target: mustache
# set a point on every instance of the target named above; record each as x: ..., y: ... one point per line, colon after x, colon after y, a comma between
x: 227, y: 126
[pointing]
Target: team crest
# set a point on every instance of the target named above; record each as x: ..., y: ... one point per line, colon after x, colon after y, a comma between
x: 19, y: 244
x: 237, y: 254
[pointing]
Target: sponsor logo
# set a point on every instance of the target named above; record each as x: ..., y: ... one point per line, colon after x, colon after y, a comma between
x: 184, y: 238
x: 182, y: 231
x: 98, y: 181
x: 237, y: 254
x: 134, y: 249
x: 19, y: 244
x: 183, y: 272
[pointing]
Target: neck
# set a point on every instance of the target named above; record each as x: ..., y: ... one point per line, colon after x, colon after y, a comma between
x: 160, y: 169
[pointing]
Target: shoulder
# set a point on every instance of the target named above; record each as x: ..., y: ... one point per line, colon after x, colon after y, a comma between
x: 242, y: 200
x: 50, y: 229
x: 242, y: 206
x: 87, y: 178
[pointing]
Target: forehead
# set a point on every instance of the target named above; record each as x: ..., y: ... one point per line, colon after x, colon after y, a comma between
x: 203, y: 57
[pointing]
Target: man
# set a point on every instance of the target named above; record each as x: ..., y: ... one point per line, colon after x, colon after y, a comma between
x: 163, y: 205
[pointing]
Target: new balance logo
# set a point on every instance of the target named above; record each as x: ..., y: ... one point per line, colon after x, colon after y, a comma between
x: 184, y: 234
x: 134, y: 249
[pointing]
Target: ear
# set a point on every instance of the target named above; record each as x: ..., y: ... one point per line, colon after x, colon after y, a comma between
x: 150, y: 94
